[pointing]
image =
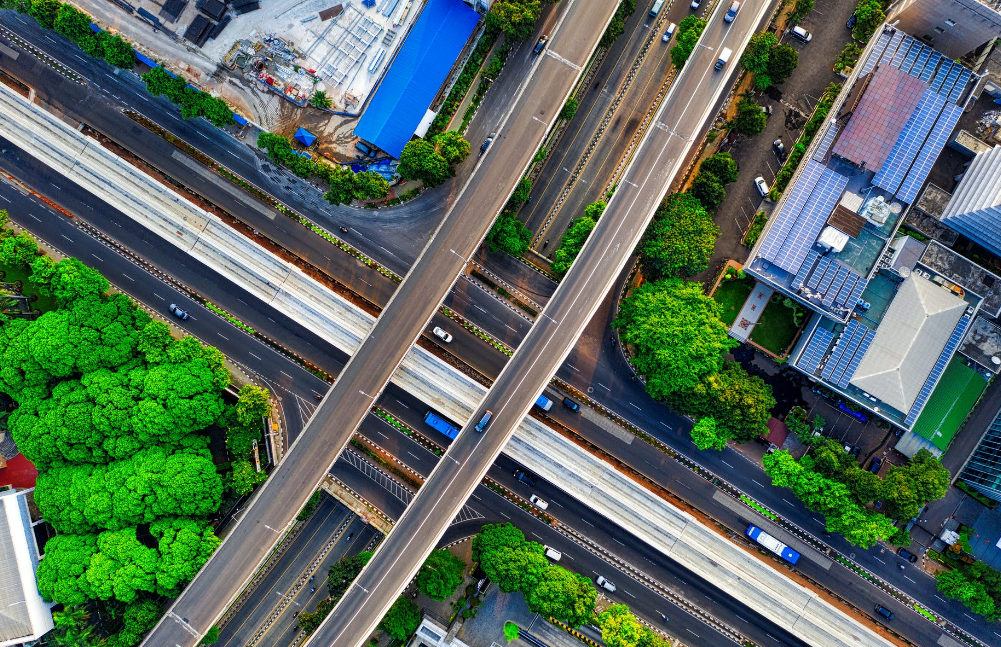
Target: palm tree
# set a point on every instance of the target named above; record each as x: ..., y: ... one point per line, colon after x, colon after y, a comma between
x: 321, y: 100
x: 72, y: 629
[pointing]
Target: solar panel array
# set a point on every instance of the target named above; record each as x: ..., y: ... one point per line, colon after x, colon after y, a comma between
x: 787, y: 215
x: 897, y: 49
x: 825, y: 143
x: 848, y: 352
x: 910, y: 141
x: 936, y: 372
x: 828, y: 282
x: 810, y: 220
x: 809, y: 361
x: 929, y: 153
x: 804, y: 269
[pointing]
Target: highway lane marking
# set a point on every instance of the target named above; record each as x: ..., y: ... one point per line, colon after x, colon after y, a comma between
x: 537, y: 535
x: 910, y: 580
x: 603, y: 386
x: 788, y: 501
x: 383, y: 435
x: 617, y: 541
x: 669, y: 427
x: 587, y: 522
x: 505, y: 516
x: 742, y: 618
x: 128, y: 277
x: 727, y: 464
x: 413, y: 454
x: 629, y: 594
x: 940, y: 598
x: 162, y: 299
x: 5, y: 199
x: 67, y: 238
x: 756, y: 483
x: 285, y: 374
x: 692, y: 632
x: 970, y: 617
x: 255, y: 357
x: 514, y: 330
x: 879, y: 560
x: 635, y: 407
x: 401, y: 404
x: 771, y: 636
x: 233, y: 154
x: 572, y: 366
x: 223, y: 336
x: 99, y: 259
x: 476, y: 497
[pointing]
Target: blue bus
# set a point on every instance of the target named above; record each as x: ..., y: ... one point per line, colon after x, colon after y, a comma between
x: 656, y: 8
x: 772, y: 544
x: 436, y: 422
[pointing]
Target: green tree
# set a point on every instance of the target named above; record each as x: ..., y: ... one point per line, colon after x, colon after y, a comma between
x: 515, y: 18
x: 440, y: 575
x: 19, y: 250
x: 308, y: 622
x: 803, y: 7
x: 517, y: 567
x: 706, y: 435
x: 568, y: 597
x: 722, y: 165
x: 494, y: 536
x: 451, y: 146
x: 522, y: 193
x: 211, y: 636
x: 45, y: 12
x: 73, y: 629
x: 689, y: 30
x: 676, y: 334
x: 342, y: 186
x: 571, y: 244
x: 781, y: 63
x: 139, y: 617
x: 869, y: 16
x: 253, y: 403
x: 508, y: 234
x: 618, y: 24
x: 750, y: 120
x: 75, y: 25
x: 343, y: 572
x: 679, y: 241
x: 420, y: 161
x: 244, y: 477
x: 755, y: 57
x: 620, y: 628
x: 117, y: 51
x: 320, y: 100
x: 740, y: 403
x: 709, y: 190
x: 62, y: 573
x: 569, y: 109
x: 511, y: 631
x: 402, y: 620
x: 369, y: 185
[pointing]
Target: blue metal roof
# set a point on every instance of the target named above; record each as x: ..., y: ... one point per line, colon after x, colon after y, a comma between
x: 416, y: 74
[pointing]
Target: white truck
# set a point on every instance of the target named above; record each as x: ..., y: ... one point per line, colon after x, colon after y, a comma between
x: 724, y: 58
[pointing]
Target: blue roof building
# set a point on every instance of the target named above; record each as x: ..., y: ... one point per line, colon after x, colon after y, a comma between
x: 416, y: 74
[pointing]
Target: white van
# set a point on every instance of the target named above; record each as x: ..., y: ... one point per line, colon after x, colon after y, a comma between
x: 553, y: 554
x: 605, y: 584
x: 542, y: 504
x: 724, y: 57
x: 801, y: 34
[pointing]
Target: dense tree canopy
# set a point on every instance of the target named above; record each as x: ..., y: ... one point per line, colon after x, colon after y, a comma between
x: 781, y: 62
x: 869, y: 16
x: 740, y: 404
x: 689, y: 30
x: 676, y: 335
x: 679, y: 241
x: 343, y: 572
x: 750, y: 120
x: 451, y: 146
x: 566, y: 596
x: 706, y: 435
x: 402, y: 619
x: 708, y: 190
x: 193, y: 103
x: 620, y: 628
x: 440, y: 575
x: 755, y: 57
x: 571, y: 244
x: 508, y: 234
x: 515, y: 18
x: 420, y: 161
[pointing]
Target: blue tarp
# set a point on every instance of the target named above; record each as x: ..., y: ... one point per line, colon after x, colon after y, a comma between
x: 305, y: 137
x: 146, y: 60
x: 417, y: 73
x: 240, y: 120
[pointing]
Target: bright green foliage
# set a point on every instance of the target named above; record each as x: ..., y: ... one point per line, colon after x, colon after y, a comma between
x: 309, y: 621
x: 709, y: 190
x: 706, y: 435
x: 253, y: 403
x: 689, y: 30
x: 244, y: 477
x: 153, y: 483
x: 420, y: 161
x: 568, y: 597
x: 343, y: 573
x: 571, y: 244
x: 18, y: 250
x: 403, y: 617
x: 140, y: 616
x: 803, y: 7
x: 618, y: 24
x: 620, y: 628
x: 976, y: 585
x: 518, y: 567
x: 679, y: 240
x: 280, y: 150
x: 184, y: 545
x: 511, y: 631
x: 67, y: 280
x: 118, y: 52
x: 755, y: 57
x: 722, y: 165
x: 451, y: 146
x: 522, y: 192
x: 830, y: 498
x: 676, y: 334
x: 508, y: 234
x: 75, y: 25
x: 193, y: 103
x: 750, y: 120
x: 342, y: 186
x: 4, y: 219
x: 869, y: 16
x: 369, y: 185
x: 211, y: 636
x: 494, y: 536
x: 515, y: 18
x: 740, y: 403
x: 569, y: 109
x: 45, y: 12
x: 320, y: 100
x: 72, y: 629
x: 62, y: 574
x: 440, y: 575
x: 781, y: 62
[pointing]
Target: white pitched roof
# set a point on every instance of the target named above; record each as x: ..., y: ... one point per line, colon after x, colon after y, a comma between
x: 909, y: 340
x: 24, y: 616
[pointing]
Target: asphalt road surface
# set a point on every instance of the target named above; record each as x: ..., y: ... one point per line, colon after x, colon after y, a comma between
x: 397, y: 328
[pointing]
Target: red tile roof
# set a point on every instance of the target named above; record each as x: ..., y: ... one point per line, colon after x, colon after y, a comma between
x: 777, y: 432
x: 19, y: 473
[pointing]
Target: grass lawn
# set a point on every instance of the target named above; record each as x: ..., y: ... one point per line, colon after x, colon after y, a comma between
x: 12, y: 274
x: 775, y: 329
x: 954, y: 395
x: 731, y: 295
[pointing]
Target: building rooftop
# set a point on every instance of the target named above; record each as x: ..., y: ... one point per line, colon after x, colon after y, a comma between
x: 907, y: 343
x: 975, y: 207
x: 983, y: 344
x: 965, y: 273
x: 24, y: 616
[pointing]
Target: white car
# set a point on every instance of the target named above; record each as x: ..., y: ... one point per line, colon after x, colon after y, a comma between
x: 605, y: 584
x: 442, y: 335
x: 696, y: 3
x: 670, y: 32
x: 542, y: 504
x: 761, y: 186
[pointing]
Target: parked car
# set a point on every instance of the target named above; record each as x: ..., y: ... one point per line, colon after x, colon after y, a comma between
x: 761, y: 186
x: 541, y: 45
x: 767, y: 110
x: 908, y: 555
x: 442, y: 335
x: 856, y: 450
x: 570, y: 404
x: 801, y: 34
x: 671, y: 27
x: 851, y: 22
x: 731, y: 13
x: 177, y: 312
x: 780, y: 149
x: 876, y: 464
x: 525, y: 477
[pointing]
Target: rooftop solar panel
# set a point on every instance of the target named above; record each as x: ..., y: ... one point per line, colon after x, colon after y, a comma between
x: 950, y: 80
x: 860, y: 352
x: 936, y: 372
x: 930, y: 151
x: 891, y: 48
x: 827, y: 279
x: 933, y: 60
x: 957, y: 90
x: 839, y: 280
x: 843, y: 352
x: 919, y: 65
x: 898, y: 56
x: 818, y: 274
x: 804, y: 270
x: 940, y: 76
x: 877, y: 51
x: 841, y: 298
x: 827, y: 139
x: 810, y: 359
x: 912, y: 56
x: 811, y: 220
x: 856, y: 293
x: 788, y: 214
x: 909, y: 142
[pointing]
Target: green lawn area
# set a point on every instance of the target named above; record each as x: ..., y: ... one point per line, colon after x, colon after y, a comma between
x: 731, y: 295
x: 12, y: 274
x: 954, y: 395
x: 775, y: 329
